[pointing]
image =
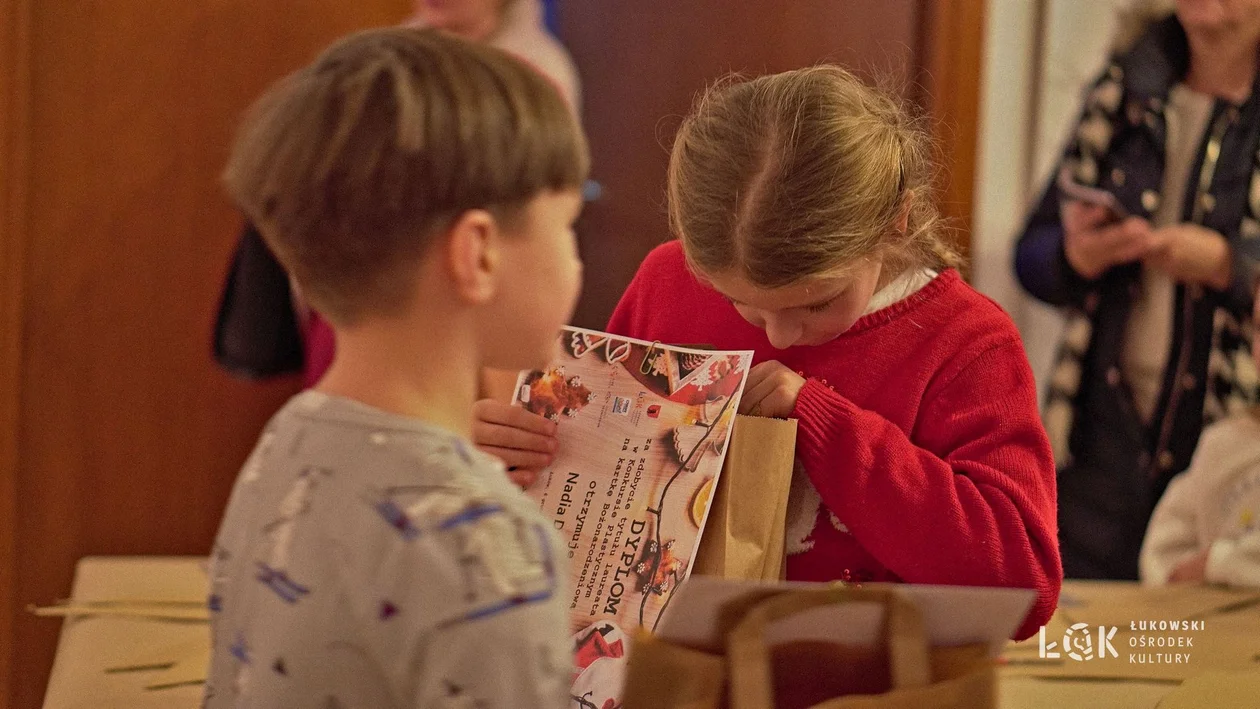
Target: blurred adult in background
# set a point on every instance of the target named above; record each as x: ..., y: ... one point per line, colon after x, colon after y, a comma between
x: 515, y: 26
x: 1158, y: 342
x: 263, y: 328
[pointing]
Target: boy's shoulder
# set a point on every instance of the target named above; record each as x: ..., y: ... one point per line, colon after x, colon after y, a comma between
x: 372, y: 453
x: 335, y: 426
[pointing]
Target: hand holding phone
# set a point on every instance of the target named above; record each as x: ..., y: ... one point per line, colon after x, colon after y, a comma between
x: 1073, y: 190
x: 1096, y: 237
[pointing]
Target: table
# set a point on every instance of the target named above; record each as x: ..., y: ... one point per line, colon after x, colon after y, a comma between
x: 1230, y: 639
x: 91, y: 644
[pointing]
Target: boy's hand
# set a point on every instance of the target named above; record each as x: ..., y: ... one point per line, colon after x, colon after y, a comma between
x: 1192, y: 570
x: 524, y: 441
x: 771, y: 391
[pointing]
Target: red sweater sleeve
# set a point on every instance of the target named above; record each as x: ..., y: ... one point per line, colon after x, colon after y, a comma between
x: 972, y: 503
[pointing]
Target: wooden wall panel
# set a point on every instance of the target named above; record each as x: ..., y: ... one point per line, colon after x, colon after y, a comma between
x: 14, y: 94
x: 952, y: 34
x: 129, y: 436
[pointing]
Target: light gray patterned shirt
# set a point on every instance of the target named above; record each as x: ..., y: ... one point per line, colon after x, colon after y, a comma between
x: 371, y: 560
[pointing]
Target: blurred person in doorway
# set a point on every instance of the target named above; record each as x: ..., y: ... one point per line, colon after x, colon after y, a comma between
x: 515, y: 26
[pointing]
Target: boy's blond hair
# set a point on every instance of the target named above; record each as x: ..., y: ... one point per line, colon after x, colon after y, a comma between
x: 351, y: 165
x: 791, y: 176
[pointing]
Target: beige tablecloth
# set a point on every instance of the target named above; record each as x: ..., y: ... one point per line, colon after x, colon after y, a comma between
x: 92, y: 644
x: 1229, y: 639
x: 1223, y: 635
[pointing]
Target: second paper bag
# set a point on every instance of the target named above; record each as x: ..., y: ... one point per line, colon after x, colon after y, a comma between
x: 743, y: 537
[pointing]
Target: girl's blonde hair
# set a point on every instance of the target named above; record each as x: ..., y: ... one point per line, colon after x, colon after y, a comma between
x: 797, y: 175
x: 350, y: 166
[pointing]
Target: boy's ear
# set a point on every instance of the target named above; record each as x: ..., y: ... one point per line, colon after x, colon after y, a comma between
x: 473, y: 255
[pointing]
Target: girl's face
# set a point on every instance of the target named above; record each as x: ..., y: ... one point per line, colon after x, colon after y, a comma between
x: 811, y: 313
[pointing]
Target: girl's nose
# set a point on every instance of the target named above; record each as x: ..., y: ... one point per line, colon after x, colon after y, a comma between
x: 782, y: 334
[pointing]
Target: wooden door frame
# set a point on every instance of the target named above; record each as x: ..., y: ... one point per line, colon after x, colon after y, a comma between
x: 15, y: 45
x: 952, y: 38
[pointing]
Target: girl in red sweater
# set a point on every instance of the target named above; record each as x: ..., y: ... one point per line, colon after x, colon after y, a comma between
x: 807, y: 233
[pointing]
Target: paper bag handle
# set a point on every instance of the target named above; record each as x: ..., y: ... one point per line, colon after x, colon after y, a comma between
x: 752, y: 679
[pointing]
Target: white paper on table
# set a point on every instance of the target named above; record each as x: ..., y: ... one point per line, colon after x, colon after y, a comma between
x: 953, y: 615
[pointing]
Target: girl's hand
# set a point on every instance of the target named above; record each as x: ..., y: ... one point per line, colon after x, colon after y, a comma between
x: 524, y: 441
x: 771, y: 391
x: 1192, y: 570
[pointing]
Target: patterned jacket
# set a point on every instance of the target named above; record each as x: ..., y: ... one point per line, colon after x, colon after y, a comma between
x: 1119, y: 146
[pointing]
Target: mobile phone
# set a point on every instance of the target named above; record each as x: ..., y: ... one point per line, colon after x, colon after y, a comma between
x: 1071, y: 189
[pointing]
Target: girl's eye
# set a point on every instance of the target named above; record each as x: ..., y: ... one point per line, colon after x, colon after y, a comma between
x: 818, y: 308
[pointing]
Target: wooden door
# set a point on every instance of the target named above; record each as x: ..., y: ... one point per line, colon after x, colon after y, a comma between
x: 643, y: 62
x: 117, y: 432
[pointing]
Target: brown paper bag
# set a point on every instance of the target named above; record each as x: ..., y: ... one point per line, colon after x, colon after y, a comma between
x: 662, y: 675
x: 903, y: 673
x: 906, y: 673
x: 744, y: 535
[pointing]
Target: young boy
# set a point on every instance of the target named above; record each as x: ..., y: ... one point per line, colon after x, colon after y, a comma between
x: 1206, y: 527
x: 421, y: 190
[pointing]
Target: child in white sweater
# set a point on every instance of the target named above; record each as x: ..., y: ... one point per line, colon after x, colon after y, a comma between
x: 1206, y: 528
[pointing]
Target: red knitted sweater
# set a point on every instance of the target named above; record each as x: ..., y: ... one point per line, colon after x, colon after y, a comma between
x: 918, y: 429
